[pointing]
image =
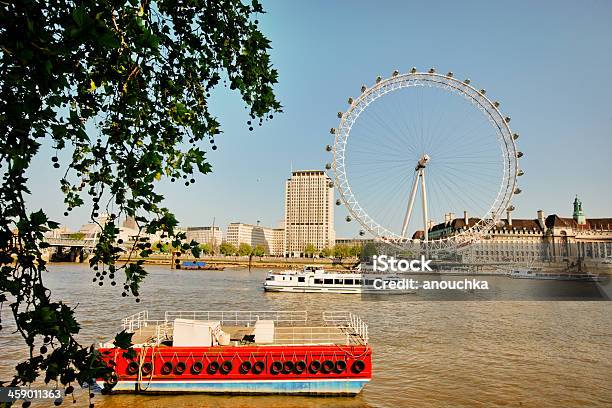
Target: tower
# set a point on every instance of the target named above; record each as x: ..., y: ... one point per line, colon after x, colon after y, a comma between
x: 309, y: 211
x: 578, y: 213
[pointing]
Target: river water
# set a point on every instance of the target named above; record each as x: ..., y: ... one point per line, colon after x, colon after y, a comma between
x: 425, y: 353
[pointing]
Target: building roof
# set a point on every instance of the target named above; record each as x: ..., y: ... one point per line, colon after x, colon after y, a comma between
x: 519, y: 223
x: 554, y: 221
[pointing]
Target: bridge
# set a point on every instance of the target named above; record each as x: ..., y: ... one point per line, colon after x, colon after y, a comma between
x: 69, y: 249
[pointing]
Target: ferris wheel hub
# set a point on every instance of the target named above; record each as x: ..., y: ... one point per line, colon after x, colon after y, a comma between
x: 422, y: 163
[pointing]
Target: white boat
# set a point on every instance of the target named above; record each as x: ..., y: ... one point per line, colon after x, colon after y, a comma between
x: 539, y: 275
x: 314, y: 279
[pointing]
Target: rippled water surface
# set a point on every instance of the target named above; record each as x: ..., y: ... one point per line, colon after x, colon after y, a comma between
x: 426, y: 353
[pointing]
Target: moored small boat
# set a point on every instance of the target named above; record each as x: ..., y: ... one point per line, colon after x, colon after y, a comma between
x: 242, y: 352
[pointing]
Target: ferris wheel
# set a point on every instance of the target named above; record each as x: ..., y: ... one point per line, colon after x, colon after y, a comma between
x: 429, y: 135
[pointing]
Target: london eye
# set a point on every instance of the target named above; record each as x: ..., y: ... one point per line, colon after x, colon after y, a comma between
x: 415, y: 151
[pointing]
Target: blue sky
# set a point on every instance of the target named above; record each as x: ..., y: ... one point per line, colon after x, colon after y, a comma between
x: 548, y: 63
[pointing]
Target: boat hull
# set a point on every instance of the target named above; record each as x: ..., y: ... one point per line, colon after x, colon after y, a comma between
x: 339, y: 290
x: 338, y: 387
x: 350, y: 369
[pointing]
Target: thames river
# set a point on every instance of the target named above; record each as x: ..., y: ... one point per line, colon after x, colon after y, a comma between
x: 426, y: 353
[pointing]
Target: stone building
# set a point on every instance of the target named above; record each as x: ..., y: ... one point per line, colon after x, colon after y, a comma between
x: 552, y: 238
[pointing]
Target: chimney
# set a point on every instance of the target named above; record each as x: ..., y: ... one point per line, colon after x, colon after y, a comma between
x: 447, y: 218
x: 509, y: 217
x: 451, y: 216
x: 465, y: 218
x: 541, y: 218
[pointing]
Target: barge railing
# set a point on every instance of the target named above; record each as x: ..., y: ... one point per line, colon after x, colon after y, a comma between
x: 339, y: 327
x: 135, y: 321
x: 240, y: 317
x: 349, y: 321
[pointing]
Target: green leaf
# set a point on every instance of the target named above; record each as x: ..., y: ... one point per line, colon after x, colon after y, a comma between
x: 123, y: 340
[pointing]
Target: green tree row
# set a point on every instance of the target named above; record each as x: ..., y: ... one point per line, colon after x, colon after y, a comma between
x: 243, y: 249
x: 337, y: 251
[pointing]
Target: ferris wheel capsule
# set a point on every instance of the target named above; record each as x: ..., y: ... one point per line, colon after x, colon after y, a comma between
x: 519, y: 154
x: 339, y: 115
x: 467, y: 81
x: 328, y: 148
x: 520, y: 173
x: 432, y: 70
x: 328, y: 166
x: 330, y: 184
x: 338, y: 202
x: 515, y: 136
x: 449, y: 74
x: 350, y: 101
x: 483, y: 91
x: 413, y: 70
x: 361, y: 233
x: 507, y: 119
x: 496, y: 104
x: 332, y: 131
x: 348, y: 218
x: 363, y: 88
x: 378, y: 79
x: 517, y: 191
x: 395, y: 73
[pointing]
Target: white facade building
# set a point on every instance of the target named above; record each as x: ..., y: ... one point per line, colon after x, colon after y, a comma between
x: 212, y: 236
x: 309, y: 212
x: 271, y: 239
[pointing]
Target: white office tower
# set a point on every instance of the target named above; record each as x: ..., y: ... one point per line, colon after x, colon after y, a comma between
x: 309, y: 212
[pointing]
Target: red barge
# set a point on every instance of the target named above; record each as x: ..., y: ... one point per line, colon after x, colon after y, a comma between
x: 243, y: 352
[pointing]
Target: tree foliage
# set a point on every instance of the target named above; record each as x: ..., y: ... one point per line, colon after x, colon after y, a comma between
x: 120, y: 90
x: 259, y: 251
x: 206, y: 248
x: 346, y: 251
x: 310, y: 250
x: 244, y: 249
x: 227, y: 249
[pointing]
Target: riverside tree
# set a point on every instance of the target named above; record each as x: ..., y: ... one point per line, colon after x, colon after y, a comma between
x: 310, y: 250
x: 227, y: 249
x: 120, y: 91
x: 244, y: 249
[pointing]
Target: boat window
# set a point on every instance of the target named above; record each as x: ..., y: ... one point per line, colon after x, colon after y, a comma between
x: 270, y: 278
x: 337, y: 281
x: 358, y: 282
x: 301, y: 279
x: 348, y: 281
x: 318, y: 281
x: 370, y: 282
x: 329, y: 281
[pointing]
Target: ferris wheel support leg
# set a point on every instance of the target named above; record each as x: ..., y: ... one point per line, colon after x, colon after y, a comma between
x: 424, y: 197
x: 415, y: 184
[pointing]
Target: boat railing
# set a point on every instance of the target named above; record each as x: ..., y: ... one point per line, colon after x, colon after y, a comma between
x: 348, y: 321
x: 240, y: 317
x: 136, y: 321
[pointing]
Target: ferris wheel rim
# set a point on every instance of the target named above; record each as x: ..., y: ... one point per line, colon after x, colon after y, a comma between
x: 448, y: 83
